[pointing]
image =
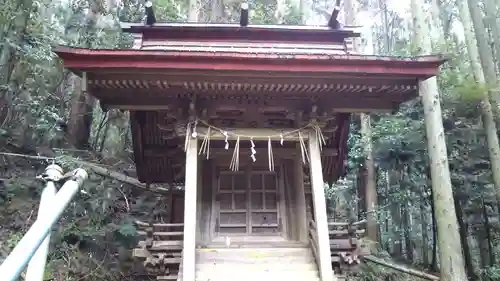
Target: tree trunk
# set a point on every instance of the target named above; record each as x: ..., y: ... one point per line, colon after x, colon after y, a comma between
x: 465, y: 243
x: 423, y: 225
x: 360, y: 184
x: 484, y: 50
x: 439, y: 40
x: 81, y: 116
x: 405, y: 215
x: 450, y: 254
x: 366, y: 134
x: 397, y: 230
x: 387, y: 212
x: 490, y: 10
x: 303, y: 11
x: 434, y: 263
x: 216, y: 11
x: 487, y: 116
x: 407, y: 233
x: 370, y: 182
x: 15, y: 32
x: 193, y: 11
x: 487, y: 231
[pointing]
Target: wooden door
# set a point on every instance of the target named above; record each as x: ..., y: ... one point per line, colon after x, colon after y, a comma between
x: 247, y: 203
x: 232, y: 198
x: 264, y: 216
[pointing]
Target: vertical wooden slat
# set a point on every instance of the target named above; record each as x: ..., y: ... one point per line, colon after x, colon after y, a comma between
x: 190, y: 194
x: 281, y: 196
x: 206, y: 201
x: 300, y: 196
x: 320, y: 215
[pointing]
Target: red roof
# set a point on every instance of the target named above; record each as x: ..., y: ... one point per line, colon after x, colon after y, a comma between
x: 418, y: 67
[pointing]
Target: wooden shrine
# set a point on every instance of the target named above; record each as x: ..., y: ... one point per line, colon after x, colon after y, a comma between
x: 252, y: 121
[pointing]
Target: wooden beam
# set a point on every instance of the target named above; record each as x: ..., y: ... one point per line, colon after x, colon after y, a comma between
x: 320, y: 214
x: 153, y: 107
x: 328, y: 102
x: 250, y: 133
x: 190, y: 194
x: 179, y: 77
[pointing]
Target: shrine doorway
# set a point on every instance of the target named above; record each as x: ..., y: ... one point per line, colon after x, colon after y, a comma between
x: 248, y: 205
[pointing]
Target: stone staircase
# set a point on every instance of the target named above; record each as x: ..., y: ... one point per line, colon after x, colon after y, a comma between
x: 262, y: 264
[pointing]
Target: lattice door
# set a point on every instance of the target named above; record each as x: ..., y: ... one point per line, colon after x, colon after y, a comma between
x: 232, y: 197
x: 264, y: 198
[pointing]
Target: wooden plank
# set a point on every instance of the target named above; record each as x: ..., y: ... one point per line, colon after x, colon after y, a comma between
x: 162, y: 245
x: 244, y: 50
x: 167, y: 277
x: 320, y: 214
x: 145, y: 224
x: 232, y: 44
x: 161, y: 233
x: 342, y: 244
x: 190, y: 194
x: 335, y: 223
x: 345, y: 232
x: 301, y: 218
x: 143, y: 253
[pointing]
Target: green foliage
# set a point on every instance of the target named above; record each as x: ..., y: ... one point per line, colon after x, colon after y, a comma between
x: 491, y: 273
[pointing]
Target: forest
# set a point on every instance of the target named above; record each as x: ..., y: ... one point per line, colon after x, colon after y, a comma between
x: 45, y: 116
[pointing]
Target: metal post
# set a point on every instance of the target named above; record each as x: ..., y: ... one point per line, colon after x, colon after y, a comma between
x: 36, y: 267
x: 16, y: 261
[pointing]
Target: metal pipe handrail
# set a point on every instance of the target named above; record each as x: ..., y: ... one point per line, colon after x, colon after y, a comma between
x: 38, y: 234
x: 36, y: 266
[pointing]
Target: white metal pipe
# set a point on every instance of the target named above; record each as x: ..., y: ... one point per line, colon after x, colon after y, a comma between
x: 12, y: 267
x: 36, y: 267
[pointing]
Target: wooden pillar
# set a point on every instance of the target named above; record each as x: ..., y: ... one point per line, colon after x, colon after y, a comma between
x: 190, y: 202
x: 320, y: 214
x: 199, y: 203
x: 300, y: 195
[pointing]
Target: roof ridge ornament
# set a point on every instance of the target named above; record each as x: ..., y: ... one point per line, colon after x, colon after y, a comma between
x: 244, y: 14
x: 150, y: 14
x: 334, y: 22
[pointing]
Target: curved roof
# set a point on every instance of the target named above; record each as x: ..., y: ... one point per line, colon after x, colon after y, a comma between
x: 257, y: 72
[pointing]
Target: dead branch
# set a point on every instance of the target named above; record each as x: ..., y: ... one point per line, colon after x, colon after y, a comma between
x: 118, y: 176
x: 96, y: 169
x: 401, y: 268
